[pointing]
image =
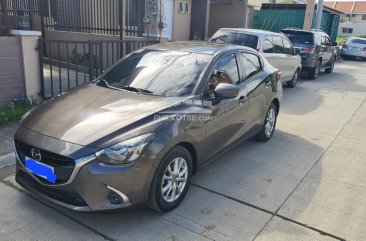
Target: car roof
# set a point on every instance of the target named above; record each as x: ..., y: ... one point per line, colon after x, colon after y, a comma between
x: 357, y: 38
x: 251, y: 31
x: 197, y: 47
x: 304, y: 31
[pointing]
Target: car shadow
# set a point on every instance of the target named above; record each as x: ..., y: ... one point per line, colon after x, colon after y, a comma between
x: 231, y: 198
x: 309, y: 95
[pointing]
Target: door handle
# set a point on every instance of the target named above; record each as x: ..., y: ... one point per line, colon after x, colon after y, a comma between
x: 242, y: 99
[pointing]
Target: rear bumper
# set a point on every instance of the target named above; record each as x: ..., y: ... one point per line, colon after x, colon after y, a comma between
x: 350, y: 53
x: 308, y: 63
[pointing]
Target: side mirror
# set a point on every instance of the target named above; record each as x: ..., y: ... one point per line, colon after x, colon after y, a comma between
x: 296, y: 51
x: 226, y: 91
x: 334, y: 44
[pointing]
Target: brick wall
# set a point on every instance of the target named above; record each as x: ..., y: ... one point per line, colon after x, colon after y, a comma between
x: 11, y: 70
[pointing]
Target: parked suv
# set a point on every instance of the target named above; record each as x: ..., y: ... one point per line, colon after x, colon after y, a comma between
x: 276, y: 48
x: 316, y: 49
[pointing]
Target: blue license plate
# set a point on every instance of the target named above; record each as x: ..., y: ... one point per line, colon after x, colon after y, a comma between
x: 40, y: 169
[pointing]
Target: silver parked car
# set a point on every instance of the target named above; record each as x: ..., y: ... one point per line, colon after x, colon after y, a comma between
x: 275, y: 47
x: 354, y: 47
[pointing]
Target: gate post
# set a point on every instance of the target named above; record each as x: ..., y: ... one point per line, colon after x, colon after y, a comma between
x: 41, y: 73
x: 101, y: 58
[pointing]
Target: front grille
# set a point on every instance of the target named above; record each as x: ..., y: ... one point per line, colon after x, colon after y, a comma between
x: 63, y: 166
x: 70, y: 198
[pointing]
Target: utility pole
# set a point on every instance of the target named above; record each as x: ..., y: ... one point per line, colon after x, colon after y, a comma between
x: 309, y: 13
x: 319, y: 14
x: 245, y: 2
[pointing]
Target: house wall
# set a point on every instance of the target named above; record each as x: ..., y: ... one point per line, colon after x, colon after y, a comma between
x: 358, y: 28
x: 181, y: 21
x: 11, y: 70
x: 227, y: 16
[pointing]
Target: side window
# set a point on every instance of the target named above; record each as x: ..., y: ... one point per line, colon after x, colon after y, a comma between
x: 267, y: 46
x: 252, y: 64
x: 225, y: 71
x: 278, y: 45
x: 288, y: 47
x: 325, y: 41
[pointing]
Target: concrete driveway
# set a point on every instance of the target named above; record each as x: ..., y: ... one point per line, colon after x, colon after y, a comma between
x: 308, y: 183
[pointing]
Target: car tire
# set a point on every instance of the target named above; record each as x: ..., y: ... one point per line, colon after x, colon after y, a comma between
x: 315, y: 71
x: 269, y: 124
x: 331, y: 68
x: 292, y: 83
x: 174, y: 173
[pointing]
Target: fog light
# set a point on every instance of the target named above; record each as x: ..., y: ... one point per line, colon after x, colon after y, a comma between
x: 114, y: 198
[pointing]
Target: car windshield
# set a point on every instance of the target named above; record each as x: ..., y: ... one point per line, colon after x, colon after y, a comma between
x: 358, y: 41
x: 167, y: 73
x: 248, y: 40
x: 301, y: 38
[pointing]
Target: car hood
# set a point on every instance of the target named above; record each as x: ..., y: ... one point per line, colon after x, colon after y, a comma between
x: 89, y: 113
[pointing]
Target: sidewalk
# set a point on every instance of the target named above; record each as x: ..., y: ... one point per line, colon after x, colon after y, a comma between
x: 7, y: 132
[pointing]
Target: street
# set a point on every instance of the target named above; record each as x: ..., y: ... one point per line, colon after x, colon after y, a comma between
x: 307, y: 183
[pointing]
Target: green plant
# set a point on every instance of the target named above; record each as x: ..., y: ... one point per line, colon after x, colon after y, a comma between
x: 15, y: 111
x: 343, y: 39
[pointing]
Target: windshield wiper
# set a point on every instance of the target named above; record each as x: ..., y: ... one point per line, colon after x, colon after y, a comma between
x: 134, y: 89
x: 219, y: 38
x: 104, y: 83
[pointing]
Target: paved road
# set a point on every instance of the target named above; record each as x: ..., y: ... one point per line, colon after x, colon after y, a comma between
x: 307, y: 183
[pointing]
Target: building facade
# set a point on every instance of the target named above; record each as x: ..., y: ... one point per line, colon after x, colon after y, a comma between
x: 353, y: 21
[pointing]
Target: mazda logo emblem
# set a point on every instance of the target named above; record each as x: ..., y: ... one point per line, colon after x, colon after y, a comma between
x: 36, y: 154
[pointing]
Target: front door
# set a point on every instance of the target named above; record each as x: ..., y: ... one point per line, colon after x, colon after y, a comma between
x: 229, y: 115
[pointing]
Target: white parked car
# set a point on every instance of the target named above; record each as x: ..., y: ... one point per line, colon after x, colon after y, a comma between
x: 354, y: 47
x: 275, y: 47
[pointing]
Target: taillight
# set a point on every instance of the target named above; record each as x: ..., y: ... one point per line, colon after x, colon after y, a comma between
x: 279, y: 75
x: 364, y: 49
x: 308, y: 50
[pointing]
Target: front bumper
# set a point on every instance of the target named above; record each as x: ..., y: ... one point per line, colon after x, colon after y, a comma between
x: 93, y: 186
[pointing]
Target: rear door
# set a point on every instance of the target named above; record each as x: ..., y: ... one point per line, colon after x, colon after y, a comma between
x: 281, y: 58
x: 259, y: 91
x: 292, y: 61
x: 267, y: 50
x: 327, y: 50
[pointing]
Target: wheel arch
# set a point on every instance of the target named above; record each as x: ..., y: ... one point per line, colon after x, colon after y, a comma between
x: 276, y: 102
x: 192, y: 150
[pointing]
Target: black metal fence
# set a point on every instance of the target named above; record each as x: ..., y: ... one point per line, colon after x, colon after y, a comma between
x: 89, y: 16
x: 94, y: 16
x: 66, y: 64
x: 19, y: 7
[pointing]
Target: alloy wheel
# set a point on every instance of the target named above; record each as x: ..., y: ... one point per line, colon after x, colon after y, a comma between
x: 270, y: 122
x: 174, y: 179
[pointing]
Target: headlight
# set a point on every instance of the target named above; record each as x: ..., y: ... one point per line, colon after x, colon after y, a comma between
x: 125, y: 152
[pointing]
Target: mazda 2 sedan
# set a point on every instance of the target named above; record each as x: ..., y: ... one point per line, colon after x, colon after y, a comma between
x: 138, y: 133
